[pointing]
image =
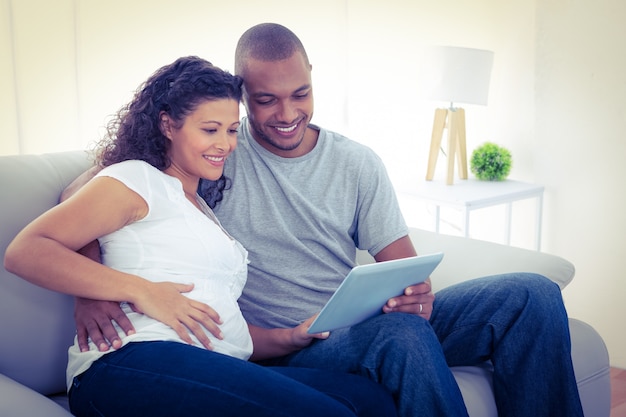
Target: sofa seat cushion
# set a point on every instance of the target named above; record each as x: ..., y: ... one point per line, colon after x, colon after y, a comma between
x: 476, y: 384
x: 17, y: 400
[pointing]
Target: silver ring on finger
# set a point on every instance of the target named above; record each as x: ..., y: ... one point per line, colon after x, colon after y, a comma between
x: 421, y: 309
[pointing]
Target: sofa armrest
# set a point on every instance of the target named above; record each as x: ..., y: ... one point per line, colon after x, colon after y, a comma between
x: 466, y: 258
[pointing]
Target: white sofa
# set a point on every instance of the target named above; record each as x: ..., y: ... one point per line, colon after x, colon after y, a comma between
x: 37, y: 325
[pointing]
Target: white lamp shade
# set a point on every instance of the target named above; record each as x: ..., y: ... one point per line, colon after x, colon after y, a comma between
x: 459, y: 75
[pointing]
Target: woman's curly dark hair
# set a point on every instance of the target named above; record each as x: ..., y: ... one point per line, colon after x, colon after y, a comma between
x: 134, y: 131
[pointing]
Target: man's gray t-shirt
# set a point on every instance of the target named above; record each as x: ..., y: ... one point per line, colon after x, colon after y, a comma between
x: 301, y: 220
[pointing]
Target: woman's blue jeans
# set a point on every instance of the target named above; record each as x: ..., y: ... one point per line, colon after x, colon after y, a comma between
x: 175, y: 379
x: 517, y: 321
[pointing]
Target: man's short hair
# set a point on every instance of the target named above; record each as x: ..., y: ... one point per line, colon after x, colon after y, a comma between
x: 267, y: 42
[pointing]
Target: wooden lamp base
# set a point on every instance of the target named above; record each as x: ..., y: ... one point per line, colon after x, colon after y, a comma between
x: 454, y: 120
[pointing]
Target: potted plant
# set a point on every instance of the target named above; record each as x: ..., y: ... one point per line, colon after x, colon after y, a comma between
x: 491, y: 162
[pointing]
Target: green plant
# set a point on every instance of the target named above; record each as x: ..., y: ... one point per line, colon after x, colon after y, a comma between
x: 491, y: 162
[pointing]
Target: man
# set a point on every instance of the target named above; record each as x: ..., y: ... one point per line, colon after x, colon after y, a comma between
x: 303, y: 199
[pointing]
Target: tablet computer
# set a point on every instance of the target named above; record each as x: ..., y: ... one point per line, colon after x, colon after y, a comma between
x: 367, y: 288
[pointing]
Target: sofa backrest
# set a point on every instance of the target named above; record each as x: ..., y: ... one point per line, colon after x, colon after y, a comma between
x: 37, y: 325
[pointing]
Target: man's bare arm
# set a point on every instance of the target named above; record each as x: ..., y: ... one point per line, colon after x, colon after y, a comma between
x: 78, y: 183
x: 401, y: 248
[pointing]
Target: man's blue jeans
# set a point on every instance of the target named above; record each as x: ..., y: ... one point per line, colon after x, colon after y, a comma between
x: 175, y: 379
x: 517, y: 321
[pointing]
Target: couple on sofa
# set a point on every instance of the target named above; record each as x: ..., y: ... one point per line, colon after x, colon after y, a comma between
x: 293, y: 202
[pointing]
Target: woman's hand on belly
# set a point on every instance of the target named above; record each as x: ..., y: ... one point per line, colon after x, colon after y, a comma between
x: 165, y: 302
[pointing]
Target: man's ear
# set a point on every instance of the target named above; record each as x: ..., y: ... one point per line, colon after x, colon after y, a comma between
x: 245, y: 98
x: 165, y: 124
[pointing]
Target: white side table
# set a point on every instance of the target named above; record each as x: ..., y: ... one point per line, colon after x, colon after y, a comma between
x: 471, y: 194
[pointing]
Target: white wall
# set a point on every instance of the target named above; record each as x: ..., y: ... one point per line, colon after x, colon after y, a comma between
x: 75, y: 62
x: 580, y: 154
x: 8, y: 103
x: 556, y: 98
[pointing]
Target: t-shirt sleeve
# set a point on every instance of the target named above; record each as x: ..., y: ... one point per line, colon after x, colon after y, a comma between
x: 380, y: 220
x: 133, y: 174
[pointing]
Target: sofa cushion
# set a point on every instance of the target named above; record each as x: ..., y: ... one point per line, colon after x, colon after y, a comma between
x: 471, y: 258
x: 16, y: 400
x: 37, y: 324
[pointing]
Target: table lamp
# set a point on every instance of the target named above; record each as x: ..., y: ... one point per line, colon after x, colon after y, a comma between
x: 457, y: 75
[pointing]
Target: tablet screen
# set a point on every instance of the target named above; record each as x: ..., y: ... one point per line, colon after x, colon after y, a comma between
x: 367, y: 288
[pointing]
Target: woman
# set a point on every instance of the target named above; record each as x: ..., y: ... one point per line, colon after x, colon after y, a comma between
x: 177, y: 273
